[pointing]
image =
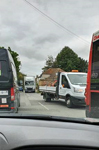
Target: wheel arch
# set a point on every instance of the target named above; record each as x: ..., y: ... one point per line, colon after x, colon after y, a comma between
x: 67, y: 95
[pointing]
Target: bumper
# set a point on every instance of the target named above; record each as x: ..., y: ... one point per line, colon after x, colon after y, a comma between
x: 33, y: 90
x: 7, y: 111
x: 78, y: 101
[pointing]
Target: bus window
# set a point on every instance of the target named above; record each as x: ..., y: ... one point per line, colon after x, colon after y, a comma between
x: 95, y: 67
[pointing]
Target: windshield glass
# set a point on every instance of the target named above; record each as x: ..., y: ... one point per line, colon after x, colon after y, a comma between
x: 78, y: 79
x: 29, y: 83
x: 45, y: 46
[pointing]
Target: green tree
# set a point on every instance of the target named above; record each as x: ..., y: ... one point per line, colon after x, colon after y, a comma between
x: 67, y: 59
x: 49, y: 63
x: 2, y: 47
x: 83, y: 65
x: 15, y: 56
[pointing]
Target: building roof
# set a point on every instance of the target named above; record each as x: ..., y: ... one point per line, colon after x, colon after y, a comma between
x: 49, y: 76
x: 52, y: 71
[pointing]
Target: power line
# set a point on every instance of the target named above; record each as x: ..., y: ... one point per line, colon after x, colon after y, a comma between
x: 56, y: 22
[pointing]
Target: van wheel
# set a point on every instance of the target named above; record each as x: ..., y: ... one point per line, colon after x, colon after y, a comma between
x: 16, y: 110
x: 68, y: 101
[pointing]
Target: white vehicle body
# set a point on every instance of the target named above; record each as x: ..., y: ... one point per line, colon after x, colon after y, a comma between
x: 75, y: 91
x: 29, y: 83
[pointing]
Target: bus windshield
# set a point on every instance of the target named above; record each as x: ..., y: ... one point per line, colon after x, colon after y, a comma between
x: 78, y: 79
x: 95, y: 67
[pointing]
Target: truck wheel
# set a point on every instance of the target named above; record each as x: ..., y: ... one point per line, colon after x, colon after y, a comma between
x: 46, y: 97
x: 69, y: 103
x: 48, y: 100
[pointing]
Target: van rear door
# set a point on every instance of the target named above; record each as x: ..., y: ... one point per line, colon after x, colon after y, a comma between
x: 6, y: 83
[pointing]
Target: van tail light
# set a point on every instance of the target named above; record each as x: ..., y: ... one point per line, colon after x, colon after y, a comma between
x: 12, y: 107
x: 12, y: 94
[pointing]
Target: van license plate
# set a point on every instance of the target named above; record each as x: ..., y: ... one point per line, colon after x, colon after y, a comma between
x: 4, y: 100
x: 3, y: 92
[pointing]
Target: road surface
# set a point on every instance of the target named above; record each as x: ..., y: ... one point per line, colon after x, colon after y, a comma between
x: 33, y: 103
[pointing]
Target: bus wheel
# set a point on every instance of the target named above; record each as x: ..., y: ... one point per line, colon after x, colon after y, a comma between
x: 68, y: 101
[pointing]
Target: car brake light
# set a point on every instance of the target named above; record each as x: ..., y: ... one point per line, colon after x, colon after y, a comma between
x: 12, y: 94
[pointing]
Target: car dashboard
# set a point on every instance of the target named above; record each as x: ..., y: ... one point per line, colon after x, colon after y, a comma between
x: 28, y: 134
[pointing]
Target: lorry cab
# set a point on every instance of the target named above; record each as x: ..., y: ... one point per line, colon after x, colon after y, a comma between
x: 9, y: 92
x: 29, y: 83
x: 70, y: 87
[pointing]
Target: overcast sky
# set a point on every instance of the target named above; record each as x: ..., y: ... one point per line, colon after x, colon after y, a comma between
x: 33, y: 36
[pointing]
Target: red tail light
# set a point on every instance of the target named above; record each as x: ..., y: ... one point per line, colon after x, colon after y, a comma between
x: 12, y: 94
x: 12, y: 107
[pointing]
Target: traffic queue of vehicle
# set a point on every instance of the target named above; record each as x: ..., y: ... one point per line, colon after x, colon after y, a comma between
x: 69, y: 86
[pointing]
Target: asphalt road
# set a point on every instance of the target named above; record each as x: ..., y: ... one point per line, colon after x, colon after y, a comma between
x: 33, y: 103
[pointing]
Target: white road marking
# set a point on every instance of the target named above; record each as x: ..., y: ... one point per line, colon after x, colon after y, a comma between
x: 43, y: 106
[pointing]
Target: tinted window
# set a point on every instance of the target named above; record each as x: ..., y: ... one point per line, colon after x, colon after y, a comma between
x: 3, y: 71
x: 95, y: 66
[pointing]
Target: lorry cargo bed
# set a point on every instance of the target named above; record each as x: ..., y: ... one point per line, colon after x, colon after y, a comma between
x: 49, y: 89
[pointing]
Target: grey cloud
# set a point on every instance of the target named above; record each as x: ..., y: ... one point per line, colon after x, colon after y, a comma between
x: 35, y: 37
x: 51, y: 38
